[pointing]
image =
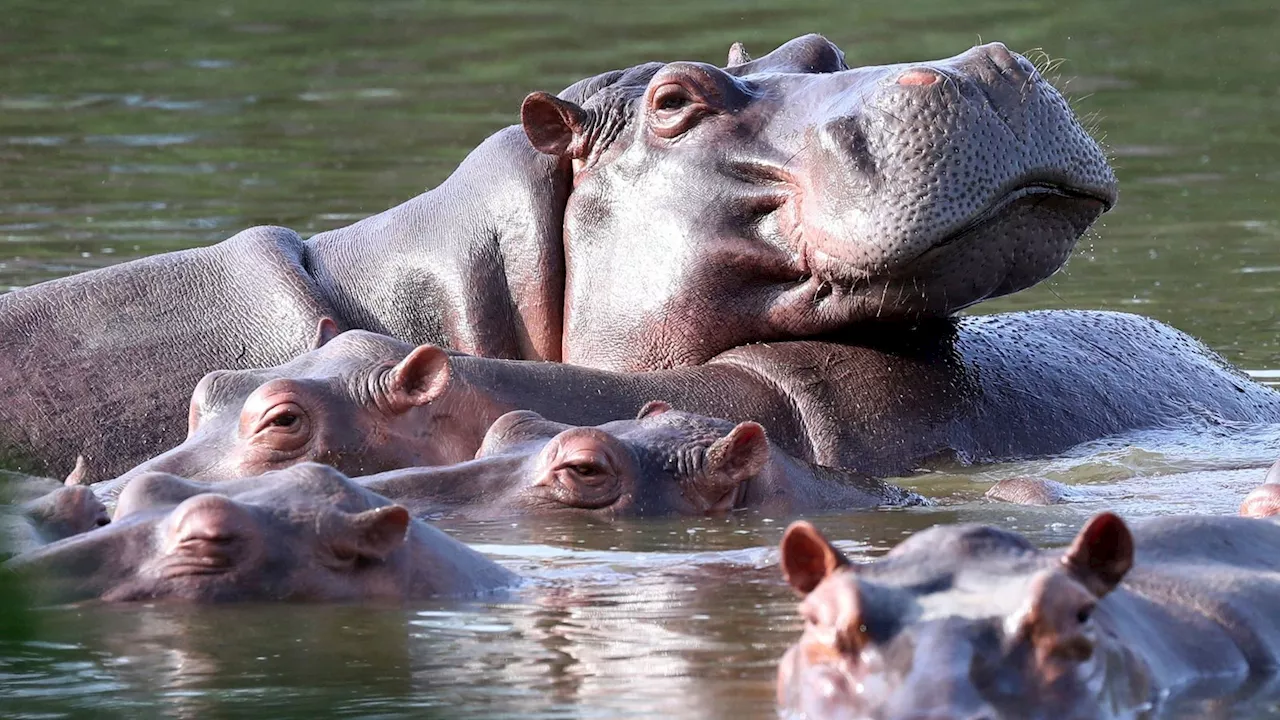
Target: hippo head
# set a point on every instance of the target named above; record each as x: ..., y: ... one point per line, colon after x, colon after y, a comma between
x: 304, y: 534
x: 355, y: 402
x: 960, y: 622
x: 664, y: 462
x: 791, y: 196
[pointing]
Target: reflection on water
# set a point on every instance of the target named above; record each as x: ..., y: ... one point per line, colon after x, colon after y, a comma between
x: 131, y: 128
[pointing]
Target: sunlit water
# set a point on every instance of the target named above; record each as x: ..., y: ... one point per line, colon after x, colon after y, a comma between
x: 131, y: 128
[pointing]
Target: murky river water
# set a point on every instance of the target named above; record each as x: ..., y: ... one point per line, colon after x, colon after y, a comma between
x: 136, y: 127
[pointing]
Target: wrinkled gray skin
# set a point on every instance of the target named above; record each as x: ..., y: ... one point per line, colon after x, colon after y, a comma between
x: 974, y: 622
x: 779, y: 198
x: 982, y: 389
x: 1265, y: 500
x: 664, y: 462
x: 304, y: 534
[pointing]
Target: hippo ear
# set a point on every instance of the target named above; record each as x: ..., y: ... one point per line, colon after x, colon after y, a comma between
x: 1101, y: 554
x: 326, y: 330
x: 419, y: 379
x: 738, y: 55
x: 651, y: 408
x: 79, y: 475
x: 741, y: 454
x: 373, y: 534
x: 805, y: 54
x: 554, y: 126
x: 807, y: 557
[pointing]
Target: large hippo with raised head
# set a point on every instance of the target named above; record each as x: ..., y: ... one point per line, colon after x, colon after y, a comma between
x: 985, y: 388
x: 968, y: 621
x: 305, y: 534
x: 643, y: 219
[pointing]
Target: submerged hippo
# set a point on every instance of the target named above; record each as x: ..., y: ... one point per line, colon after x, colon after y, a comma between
x: 645, y: 218
x: 979, y: 389
x: 974, y: 622
x: 661, y: 463
x: 305, y: 534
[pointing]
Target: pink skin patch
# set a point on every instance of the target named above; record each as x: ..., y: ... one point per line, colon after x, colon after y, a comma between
x: 918, y: 77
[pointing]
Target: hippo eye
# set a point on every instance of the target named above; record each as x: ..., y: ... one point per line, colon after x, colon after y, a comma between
x: 284, y: 420
x: 1084, y: 613
x: 672, y: 101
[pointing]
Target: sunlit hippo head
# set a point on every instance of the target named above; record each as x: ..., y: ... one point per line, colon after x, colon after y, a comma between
x: 303, y: 534
x: 357, y: 402
x: 792, y: 195
x: 964, y: 621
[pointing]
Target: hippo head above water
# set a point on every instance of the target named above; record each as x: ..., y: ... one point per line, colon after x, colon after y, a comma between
x: 664, y: 462
x: 303, y: 534
x: 791, y: 195
x: 357, y: 402
x: 960, y: 622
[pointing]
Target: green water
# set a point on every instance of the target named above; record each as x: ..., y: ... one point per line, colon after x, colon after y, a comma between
x: 130, y: 128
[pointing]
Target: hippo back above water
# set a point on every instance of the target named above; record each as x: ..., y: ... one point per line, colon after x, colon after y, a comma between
x: 645, y: 218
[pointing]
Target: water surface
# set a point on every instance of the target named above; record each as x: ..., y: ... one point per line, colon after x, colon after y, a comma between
x: 137, y: 127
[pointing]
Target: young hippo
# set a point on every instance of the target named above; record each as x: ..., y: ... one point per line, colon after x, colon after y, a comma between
x: 303, y: 534
x: 1265, y: 500
x: 968, y: 621
x: 41, y: 511
x: 663, y: 462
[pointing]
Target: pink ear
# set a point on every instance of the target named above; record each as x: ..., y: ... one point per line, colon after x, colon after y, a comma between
x: 1101, y: 554
x: 420, y: 378
x: 79, y: 474
x: 326, y: 330
x: 554, y: 126
x: 741, y: 455
x: 374, y: 534
x: 807, y: 558
x: 738, y: 55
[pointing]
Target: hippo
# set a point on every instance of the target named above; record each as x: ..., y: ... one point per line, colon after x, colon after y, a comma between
x: 40, y: 511
x: 663, y: 462
x: 1264, y: 501
x: 968, y: 621
x: 645, y: 218
x: 987, y: 388
x: 303, y: 534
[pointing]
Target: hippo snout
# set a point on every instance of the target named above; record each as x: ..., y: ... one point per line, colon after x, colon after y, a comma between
x: 208, y: 533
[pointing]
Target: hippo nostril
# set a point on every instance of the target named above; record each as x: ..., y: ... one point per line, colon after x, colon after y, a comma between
x: 919, y: 76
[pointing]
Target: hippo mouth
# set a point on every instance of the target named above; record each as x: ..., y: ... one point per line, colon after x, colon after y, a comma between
x: 1030, y: 190
x: 835, y: 289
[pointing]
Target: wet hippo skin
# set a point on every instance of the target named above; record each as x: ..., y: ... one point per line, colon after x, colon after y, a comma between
x: 664, y: 462
x: 643, y: 219
x: 970, y: 621
x: 982, y: 389
x: 303, y: 534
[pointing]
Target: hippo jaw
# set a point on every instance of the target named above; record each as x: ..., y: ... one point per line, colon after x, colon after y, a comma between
x: 792, y: 197
x: 963, y: 622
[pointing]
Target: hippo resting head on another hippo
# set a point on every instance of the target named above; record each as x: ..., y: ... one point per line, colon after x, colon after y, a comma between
x: 975, y: 622
x: 791, y: 195
x: 663, y: 462
x: 304, y: 534
x: 644, y: 219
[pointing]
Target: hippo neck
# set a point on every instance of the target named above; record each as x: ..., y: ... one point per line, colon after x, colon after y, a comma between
x: 480, y: 258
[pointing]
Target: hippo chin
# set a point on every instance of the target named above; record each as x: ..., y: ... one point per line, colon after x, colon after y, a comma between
x: 975, y: 622
x: 664, y: 462
x: 778, y: 198
x: 305, y: 534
